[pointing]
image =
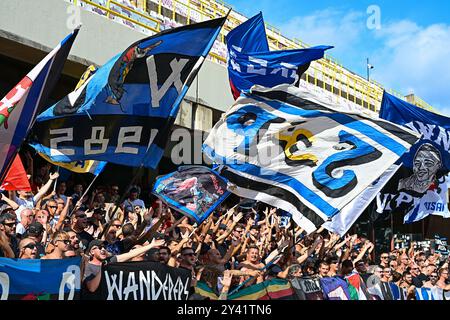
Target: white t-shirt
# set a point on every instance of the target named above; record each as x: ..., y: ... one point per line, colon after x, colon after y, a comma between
x: 20, y: 229
x: 24, y: 204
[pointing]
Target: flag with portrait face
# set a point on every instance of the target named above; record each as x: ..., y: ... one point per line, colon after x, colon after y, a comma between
x: 419, y: 188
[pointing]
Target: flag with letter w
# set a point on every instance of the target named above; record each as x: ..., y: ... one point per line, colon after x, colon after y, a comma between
x: 20, y: 106
x: 284, y: 147
x: 124, y: 112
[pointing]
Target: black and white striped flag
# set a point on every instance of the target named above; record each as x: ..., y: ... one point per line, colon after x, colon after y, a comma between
x: 284, y: 147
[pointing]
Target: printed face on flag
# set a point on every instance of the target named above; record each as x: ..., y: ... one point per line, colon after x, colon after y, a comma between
x: 420, y: 186
x: 311, y: 153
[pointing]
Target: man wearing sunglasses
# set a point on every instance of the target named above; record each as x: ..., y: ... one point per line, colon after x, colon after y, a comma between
x: 98, y: 256
x: 8, y: 224
x: 35, y: 232
x: 28, y: 249
x: 415, y: 272
x: 433, y: 280
x: 78, y: 225
x: 384, y: 260
x: 61, y: 244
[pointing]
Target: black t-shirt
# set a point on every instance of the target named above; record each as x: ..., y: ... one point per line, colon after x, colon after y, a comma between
x: 417, y: 282
x: 85, y: 238
x: 365, y: 276
x: 423, y: 277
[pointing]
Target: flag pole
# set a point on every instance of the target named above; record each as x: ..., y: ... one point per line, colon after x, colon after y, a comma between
x: 56, y: 181
x: 176, y: 104
x: 84, y: 194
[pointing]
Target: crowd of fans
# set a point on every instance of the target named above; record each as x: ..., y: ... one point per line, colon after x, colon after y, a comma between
x: 235, y: 246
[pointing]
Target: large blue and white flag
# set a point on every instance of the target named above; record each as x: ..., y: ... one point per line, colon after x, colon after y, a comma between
x: 343, y: 221
x: 35, y: 279
x: 195, y: 191
x: 284, y: 147
x: 250, y: 62
x: 428, y: 293
x: 20, y: 106
x: 124, y: 112
x: 419, y: 188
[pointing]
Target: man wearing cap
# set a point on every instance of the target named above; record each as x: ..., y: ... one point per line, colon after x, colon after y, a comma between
x: 98, y: 256
x: 35, y: 232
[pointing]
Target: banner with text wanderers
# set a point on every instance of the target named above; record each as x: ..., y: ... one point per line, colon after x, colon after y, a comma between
x: 22, y: 279
x: 284, y: 147
x: 143, y: 281
x: 419, y: 188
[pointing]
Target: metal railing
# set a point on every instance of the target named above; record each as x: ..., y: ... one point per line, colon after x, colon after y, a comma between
x: 328, y: 72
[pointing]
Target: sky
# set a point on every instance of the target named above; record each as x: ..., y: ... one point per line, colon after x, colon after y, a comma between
x: 407, y: 42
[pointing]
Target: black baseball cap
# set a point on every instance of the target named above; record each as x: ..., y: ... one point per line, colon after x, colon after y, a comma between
x: 95, y: 243
x: 35, y: 229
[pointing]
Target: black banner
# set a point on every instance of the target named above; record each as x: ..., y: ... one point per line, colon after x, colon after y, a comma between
x: 143, y: 281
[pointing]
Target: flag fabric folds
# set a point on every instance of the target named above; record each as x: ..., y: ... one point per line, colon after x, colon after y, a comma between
x: 284, y: 147
x: 274, y: 289
x: 250, y: 62
x: 193, y: 190
x: 81, y: 166
x: 20, y: 106
x: 419, y: 188
x: 36, y: 279
x: 342, y: 221
x: 16, y: 178
x: 124, y: 112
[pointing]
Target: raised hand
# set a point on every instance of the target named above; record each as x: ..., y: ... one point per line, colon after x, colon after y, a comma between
x: 157, y: 243
x: 237, y: 217
x: 185, y: 236
x: 148, y: 215
x: 54, y: 176
x: 226, y: 280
